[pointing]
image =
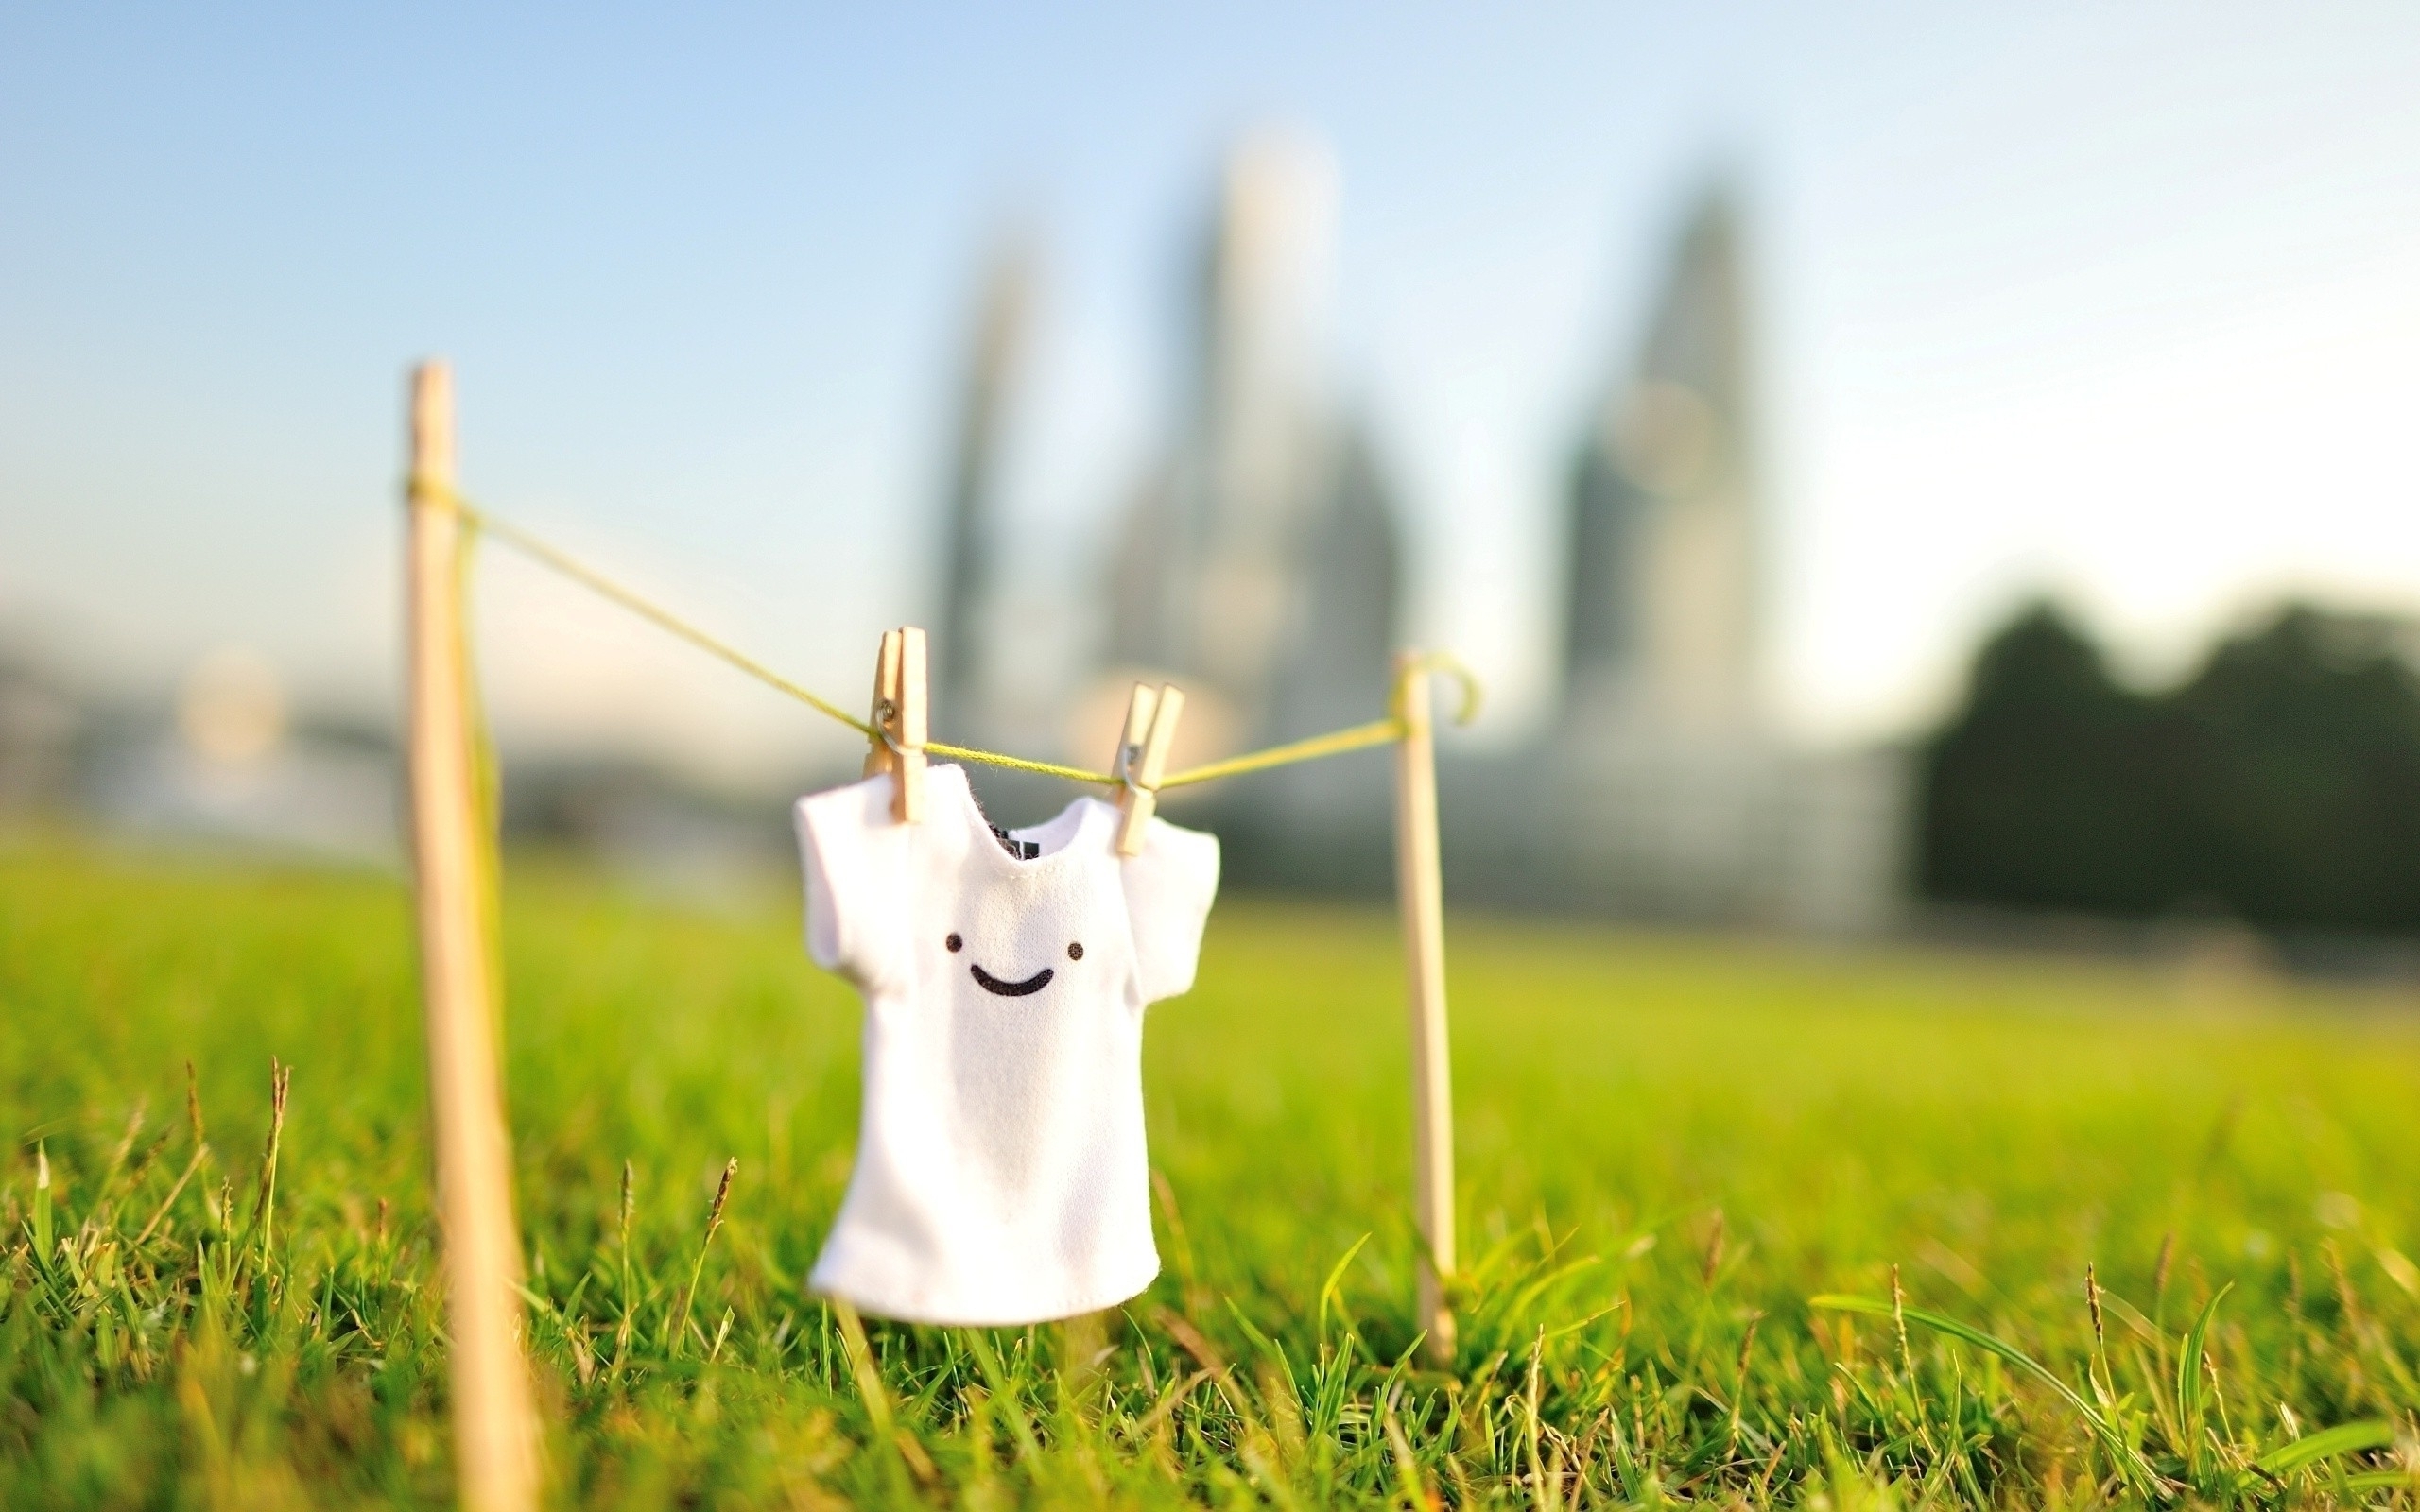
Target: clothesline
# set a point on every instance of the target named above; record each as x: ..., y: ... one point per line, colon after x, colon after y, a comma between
x: 1336, y: 742
x: 455, y: 854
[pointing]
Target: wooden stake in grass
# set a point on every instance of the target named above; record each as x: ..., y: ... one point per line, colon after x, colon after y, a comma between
x: 494, y: 1431
x: 1420, y: 885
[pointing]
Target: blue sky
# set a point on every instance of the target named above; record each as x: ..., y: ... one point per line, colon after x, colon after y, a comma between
x: 2123, y: 298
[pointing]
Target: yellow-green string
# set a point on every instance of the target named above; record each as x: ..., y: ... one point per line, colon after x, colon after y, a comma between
x: 1018, y: 764
x: 1377, y: 732
x: 1358, y: 737
x: 597, y: 582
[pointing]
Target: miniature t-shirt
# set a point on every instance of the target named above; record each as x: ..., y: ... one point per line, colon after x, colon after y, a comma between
x: 1001, y: 1176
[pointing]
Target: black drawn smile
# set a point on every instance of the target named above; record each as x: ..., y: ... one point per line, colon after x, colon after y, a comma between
x: 1012, y: 989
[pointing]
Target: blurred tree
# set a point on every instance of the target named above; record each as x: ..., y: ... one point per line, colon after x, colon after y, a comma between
x: 2279, y: 784
x: 2305, y: 786
x: 2042, y: 791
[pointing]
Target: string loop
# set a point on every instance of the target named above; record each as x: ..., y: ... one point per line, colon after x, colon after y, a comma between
x: 1429, y: 662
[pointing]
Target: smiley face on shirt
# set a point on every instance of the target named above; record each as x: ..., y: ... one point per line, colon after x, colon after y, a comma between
x: 1001, y: 987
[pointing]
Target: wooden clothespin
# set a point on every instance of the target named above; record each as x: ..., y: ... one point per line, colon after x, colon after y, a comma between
x: 1142, y: 758
x: 899, y: 720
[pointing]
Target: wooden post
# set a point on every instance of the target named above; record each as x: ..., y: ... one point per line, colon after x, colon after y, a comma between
x: 494, y: 1430
x: 1420, y: 886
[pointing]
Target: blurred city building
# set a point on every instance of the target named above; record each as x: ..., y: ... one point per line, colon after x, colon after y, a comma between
x: 1259, y: 563
x: 221, y: 761
x: 1664, y: 569
x: 964, y: 632
x: 42, y: 723
x: 1260, y: 567
x: 1663, y: 788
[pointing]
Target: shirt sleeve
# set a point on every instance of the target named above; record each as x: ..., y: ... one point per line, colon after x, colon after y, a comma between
x: 1169, y: 889
x: 856, y: 865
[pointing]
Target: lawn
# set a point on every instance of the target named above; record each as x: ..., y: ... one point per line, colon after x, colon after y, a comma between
x: 1669, y: 1148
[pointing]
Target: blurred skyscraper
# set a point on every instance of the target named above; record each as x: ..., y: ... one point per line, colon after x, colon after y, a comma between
x: 971, y: 542
x: 1259, y: 566
x: 1663, y: 787
x: 1664, y: 578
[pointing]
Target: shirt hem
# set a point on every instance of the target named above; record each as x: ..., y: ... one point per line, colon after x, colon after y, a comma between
x: 1091, y: 1300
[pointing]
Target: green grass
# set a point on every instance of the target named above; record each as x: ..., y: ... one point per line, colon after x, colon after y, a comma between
x: 1668, y: 1148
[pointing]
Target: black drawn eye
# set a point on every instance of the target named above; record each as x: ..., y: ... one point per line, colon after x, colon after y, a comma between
x: 1076, y: 952
x: 955, y: 944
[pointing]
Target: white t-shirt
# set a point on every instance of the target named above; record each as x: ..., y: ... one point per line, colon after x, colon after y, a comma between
x: 1001, y: 1176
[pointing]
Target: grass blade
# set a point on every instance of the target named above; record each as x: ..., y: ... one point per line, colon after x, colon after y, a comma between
x: 2192, y: 1392
x: 2345, y: 1438
x: 2131, y: 1467
x: 713, y: 1220
x: 42, y: 1221
x: 1331, y: 1293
